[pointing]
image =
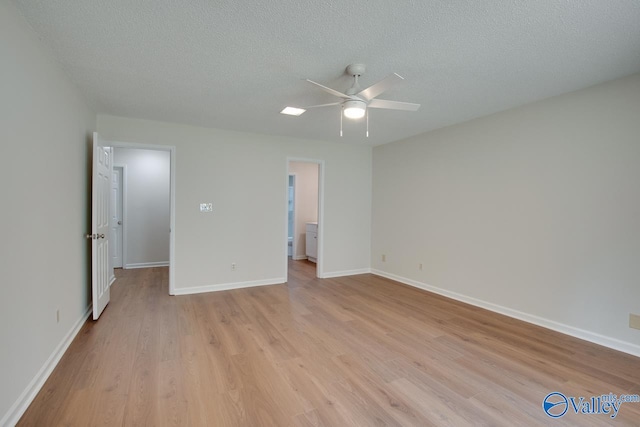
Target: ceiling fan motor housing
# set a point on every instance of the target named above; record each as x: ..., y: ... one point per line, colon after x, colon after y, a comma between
x: 356, y: 69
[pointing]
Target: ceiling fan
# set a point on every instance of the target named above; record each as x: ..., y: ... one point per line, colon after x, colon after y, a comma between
x: 355, y: 101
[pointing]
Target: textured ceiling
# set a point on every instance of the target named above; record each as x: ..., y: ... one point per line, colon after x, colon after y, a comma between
x: 236, y: 64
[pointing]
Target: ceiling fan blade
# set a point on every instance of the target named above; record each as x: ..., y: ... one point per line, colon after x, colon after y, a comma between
x: 323, y: 105
x: 328, y: 89
x: 393, y: 105
x: 377, y: 88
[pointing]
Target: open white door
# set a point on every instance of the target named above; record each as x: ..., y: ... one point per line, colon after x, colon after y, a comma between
x: 100, y: 192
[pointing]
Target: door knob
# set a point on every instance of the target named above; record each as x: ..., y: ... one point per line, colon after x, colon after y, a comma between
x: 119, y: 222
x: 94, y: 236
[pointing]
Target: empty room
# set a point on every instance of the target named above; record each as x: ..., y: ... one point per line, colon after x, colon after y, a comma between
x: 314, y: 213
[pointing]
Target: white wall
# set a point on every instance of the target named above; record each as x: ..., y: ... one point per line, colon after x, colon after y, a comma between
x: 148, y: 190
x: 535, y: 210
x: 306, y: 202
x: 245, y: 177
x: 44, y: 131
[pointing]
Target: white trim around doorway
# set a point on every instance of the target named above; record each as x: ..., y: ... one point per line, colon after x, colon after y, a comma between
x: 321, y: 222
x: 172, y: 200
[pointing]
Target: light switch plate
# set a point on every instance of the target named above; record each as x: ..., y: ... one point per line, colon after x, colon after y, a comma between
x: 206, y: 207
x: 634, y: 321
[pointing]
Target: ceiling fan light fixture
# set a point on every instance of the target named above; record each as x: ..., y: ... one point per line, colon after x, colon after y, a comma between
x: 354, y: 109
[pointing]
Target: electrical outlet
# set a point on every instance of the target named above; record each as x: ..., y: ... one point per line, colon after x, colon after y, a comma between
x: 634, y: 321
x: 58, y: 316
x: 384, y: 258
x: 206, y: 207
x: 233, y: 265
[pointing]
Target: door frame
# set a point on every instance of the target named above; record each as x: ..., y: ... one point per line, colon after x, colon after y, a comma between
x: 293, y: 238
x: 321, y: 222
x: 172, y: 200
x: 123, y: 194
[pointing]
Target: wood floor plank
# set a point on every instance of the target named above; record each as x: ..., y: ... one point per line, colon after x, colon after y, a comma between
x: 433, y: 405
x: 172, y: 406
x: 403, y: 411
x: 363, y: 409
x: 350, y: 351
x: 198, y: 387
x: 320, y: 406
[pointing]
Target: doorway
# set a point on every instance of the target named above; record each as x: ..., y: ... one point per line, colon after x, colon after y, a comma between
x: 117, y: 210
x: 148, y: 205
x: 304, y: 208
x: 291, y: 200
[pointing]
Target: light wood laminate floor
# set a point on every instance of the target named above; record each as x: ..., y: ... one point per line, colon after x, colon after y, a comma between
x: 359, y: 350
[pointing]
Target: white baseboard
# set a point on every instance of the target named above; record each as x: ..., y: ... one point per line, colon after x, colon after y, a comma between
x: 146, y: 264
x: 227, y: 286
x: 16, y: 411
x: 332, y: 274
x: 298, y: 257
x: 593, y: 337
